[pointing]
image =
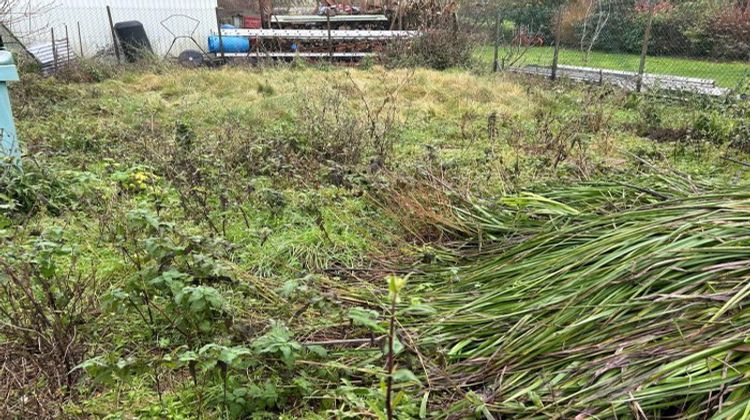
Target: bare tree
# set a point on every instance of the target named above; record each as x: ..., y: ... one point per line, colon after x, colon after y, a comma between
x: 7, y: 8
x: 597, y: 16
x: 515, y: 50
x: 15, y: 13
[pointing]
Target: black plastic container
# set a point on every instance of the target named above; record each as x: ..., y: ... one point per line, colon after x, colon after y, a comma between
x: 133, y: 40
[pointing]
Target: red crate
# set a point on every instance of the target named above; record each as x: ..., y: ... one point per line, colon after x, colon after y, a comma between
x: 252, y: 22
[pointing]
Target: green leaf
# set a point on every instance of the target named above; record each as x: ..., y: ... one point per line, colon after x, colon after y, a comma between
x: 423, y: 405
x: 366, y: 318
x: 534, y: 397
x: 395, y: 284
x: 419, y: 309
x: 229, y: 355
x: 397, y: 346
x: 188, y: 356
x: 318, y: 350
x: 198, y: 306
x: 459, y: 346
x: 205, y: 326
x: 404, y: 375
x: 288, y: 288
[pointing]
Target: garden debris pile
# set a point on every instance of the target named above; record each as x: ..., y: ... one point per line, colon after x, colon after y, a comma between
x: 618, y: 299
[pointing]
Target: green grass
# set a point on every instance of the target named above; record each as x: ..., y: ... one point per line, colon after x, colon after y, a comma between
x: 235, y: 178
x: 727, y: 74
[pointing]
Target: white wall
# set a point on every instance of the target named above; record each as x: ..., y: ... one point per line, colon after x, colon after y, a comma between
x: 32, y: 20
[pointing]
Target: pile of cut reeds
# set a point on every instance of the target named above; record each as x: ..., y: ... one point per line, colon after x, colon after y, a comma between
x: 599, y: 300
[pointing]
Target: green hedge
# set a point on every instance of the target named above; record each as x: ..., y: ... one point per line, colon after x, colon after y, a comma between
x: 699, y: 28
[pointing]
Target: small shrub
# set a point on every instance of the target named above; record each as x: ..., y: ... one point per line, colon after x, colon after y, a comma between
x: 724, y: 121
x: 332, y: 131
x: 30, y: 191
x: 440, y: 47
x: 266, y: 89
x: 729, y: 34
x: 650, y: 114
x: 45, y: 319
x: 713, y: 127
x: 345, y: 127
x: 366, y: 63
x: 85, y: 71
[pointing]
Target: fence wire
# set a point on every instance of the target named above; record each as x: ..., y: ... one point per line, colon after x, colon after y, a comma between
x: 700, y: 45
x: 85, y: 31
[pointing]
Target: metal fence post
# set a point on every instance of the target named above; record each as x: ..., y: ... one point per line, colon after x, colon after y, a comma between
x: 221, y: 39
x: 556, y: 53
x: 80, y: 40
x: 644, y: 47
x: 67, y: 44
x: 495, y: 63
x: 54, y: 49
x: 114, y: 34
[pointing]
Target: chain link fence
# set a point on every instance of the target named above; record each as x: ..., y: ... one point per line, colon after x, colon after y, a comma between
x: 694, y: 45
x: 56, y: 35
x: 699, y: 45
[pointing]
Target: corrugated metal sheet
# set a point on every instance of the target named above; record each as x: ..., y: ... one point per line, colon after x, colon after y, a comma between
x: 51, y: 58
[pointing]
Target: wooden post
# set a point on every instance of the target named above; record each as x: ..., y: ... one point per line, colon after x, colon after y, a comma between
x: 394, y: 17
x: 266, y: 10
x: 54, y: 49
x: 496, y: 63
x: 556, y: 53
x: 114, y: 34
x: 400, y: 17
x: 221, y: 40
x: 330, y: 40
x: 644, y: 47
x: 80, y: 40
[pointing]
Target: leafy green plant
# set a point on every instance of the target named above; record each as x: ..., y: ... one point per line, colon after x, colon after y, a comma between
x: 278, y: 341
x: 395, y: 286
x: 713, y: 127
x: 167, y: 295
x: 136, y: 179
x: 32, y: 190
x: 724, y: 121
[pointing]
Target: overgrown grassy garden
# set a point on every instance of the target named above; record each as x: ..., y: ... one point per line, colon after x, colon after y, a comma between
x: 316, y: 242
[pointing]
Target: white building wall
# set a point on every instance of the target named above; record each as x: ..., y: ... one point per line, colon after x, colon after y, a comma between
x: 33, y: 20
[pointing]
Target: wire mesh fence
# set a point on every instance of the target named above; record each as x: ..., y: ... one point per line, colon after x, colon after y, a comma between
x: 700, y: 45
x: 86, y: 29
